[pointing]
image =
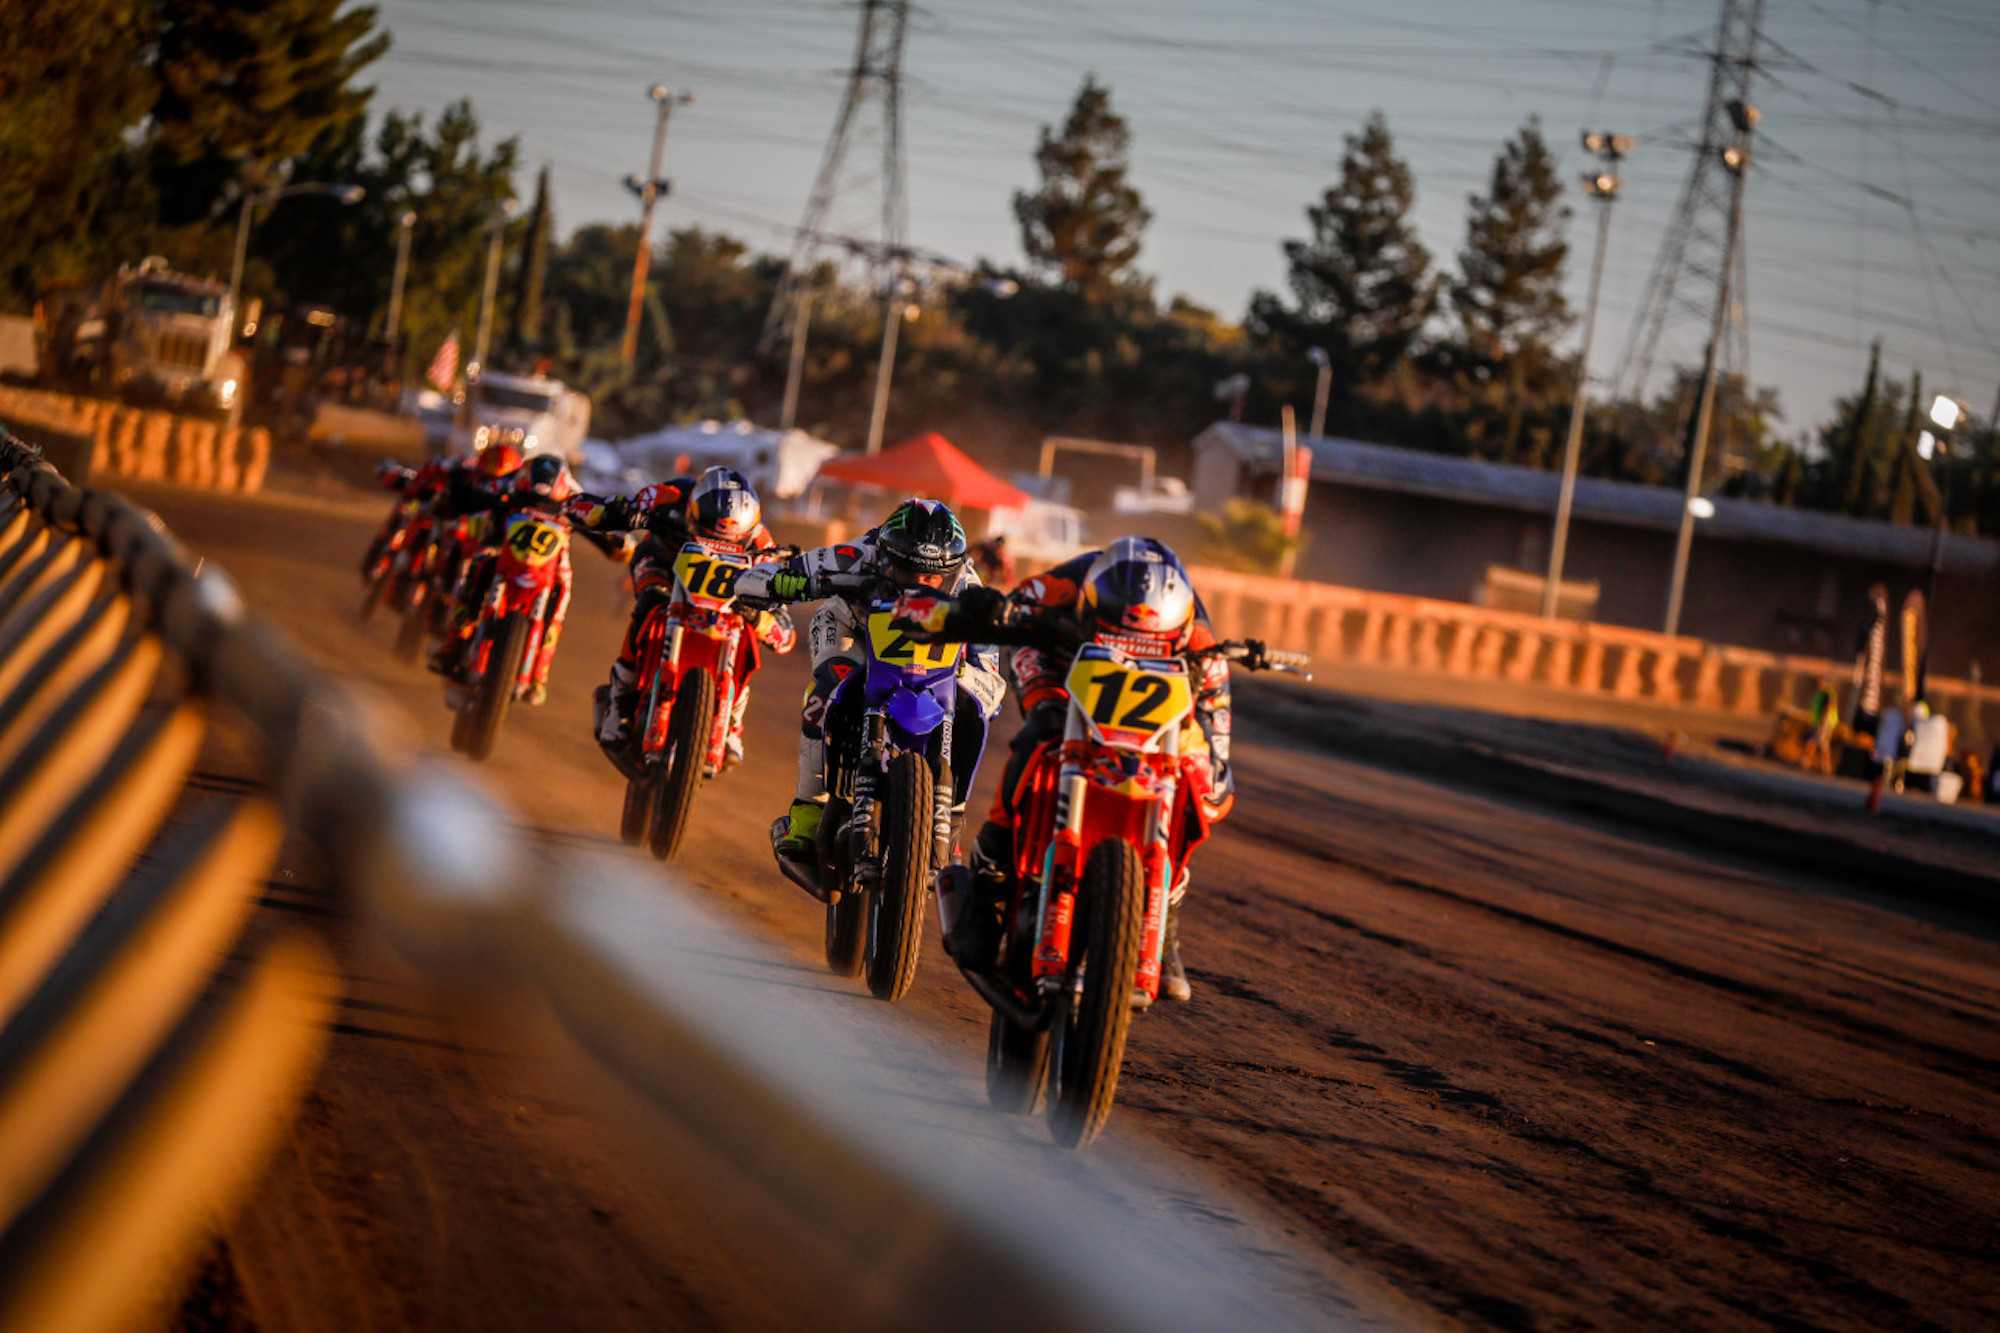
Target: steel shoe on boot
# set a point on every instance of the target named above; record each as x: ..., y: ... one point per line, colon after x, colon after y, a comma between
x: 974, y: 941
x: 1173, y: 977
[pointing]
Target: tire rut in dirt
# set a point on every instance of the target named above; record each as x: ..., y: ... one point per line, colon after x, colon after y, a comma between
x: 896, y: 907
x: 687, y: 749
x: 1090, y: 1046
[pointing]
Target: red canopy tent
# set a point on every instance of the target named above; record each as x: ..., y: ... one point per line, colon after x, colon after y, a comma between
x: 930, y: 466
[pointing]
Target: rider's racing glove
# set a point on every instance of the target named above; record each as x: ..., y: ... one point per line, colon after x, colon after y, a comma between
x: 791, y: 585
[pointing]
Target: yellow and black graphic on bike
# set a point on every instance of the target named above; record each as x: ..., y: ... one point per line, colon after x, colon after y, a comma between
x: 899, y: 649
x: 1130, y: 702
x: 709, y: 577
x: 532, y: 541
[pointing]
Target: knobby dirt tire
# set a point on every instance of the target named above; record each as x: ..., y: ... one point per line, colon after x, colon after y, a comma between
x: 896, y: 906
x: 687, y: 750
x: 1017, y: 1066
x: 1090, y: 1042
x: 494, y: 690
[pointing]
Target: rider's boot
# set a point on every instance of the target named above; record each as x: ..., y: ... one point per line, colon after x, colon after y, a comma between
x: 801, y: 838
x: 1173, y: 977
x: 974, y: 941
x: 732, y: 744
x: 619, y: 699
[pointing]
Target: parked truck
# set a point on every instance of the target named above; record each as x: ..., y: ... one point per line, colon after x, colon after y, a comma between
x: 534, y: 413
x: 146, y: 335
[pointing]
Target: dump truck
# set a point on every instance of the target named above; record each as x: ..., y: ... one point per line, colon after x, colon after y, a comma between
x: 147, y: 335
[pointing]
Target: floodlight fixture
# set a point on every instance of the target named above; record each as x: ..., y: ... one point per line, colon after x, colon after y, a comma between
x: 1926, y: 445
x: 1946, y: 412
x: 1701, y: 506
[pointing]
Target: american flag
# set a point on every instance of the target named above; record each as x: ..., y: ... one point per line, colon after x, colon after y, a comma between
x: 444, y: 366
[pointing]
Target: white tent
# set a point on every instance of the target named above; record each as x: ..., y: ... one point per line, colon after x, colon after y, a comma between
x: 779, y: 464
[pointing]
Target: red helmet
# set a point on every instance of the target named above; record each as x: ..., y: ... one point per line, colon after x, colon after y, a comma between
x: 497, y: 460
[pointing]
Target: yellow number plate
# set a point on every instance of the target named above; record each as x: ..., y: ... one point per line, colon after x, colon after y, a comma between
x: 899, y: 649
x: 710, y: 579
x: 1127, y: 702
x: 532, y: 541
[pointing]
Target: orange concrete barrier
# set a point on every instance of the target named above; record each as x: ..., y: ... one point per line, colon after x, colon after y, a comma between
x: 147, y: 445
x: 1341, y: 624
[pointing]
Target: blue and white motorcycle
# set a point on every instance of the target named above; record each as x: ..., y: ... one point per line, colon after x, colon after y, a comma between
x: 891, y: 812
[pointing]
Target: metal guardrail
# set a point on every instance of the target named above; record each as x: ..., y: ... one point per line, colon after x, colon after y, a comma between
x: 139, y: 1092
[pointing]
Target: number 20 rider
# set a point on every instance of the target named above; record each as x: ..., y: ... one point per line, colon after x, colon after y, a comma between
x: 718, y: 507
x: 920, y: 545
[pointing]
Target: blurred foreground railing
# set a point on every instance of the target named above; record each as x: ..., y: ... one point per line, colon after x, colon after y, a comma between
x: 155, y: 1036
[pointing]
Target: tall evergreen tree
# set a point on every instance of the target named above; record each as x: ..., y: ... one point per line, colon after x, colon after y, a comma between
x: 69, y: 88
x: 245, y: 85
x: 524, y: 319
x: 1853, y: 443
x: 1508, y: 295
x: 1084, y: 223
x: 1362, y: 283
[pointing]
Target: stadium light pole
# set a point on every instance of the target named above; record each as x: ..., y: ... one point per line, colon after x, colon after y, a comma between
x: 496, y: 227
x: 1736, y: 159
x: 649, y: 189
x: 405, y: 221
x: 1322, y: 383
x: 1934, y: 447
x: 896, y: 307
x: 346, y: 194
x: 1601, y: 185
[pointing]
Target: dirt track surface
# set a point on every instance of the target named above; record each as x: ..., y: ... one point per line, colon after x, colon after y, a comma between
x: 1532, y: 1069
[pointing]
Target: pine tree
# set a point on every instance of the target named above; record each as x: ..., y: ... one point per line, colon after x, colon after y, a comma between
x: 1362, y: 283
x: 71, y: 89
x: 1509, y: 292
x: 525, y: 311
x: 1084, y: 223
x: 256, y: 81
x: 1852, y: 447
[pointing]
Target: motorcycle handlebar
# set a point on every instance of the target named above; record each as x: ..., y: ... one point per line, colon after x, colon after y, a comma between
x: 1257, y: 656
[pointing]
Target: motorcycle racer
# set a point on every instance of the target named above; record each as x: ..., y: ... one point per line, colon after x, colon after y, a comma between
x: 446, y: 485
x: 1133, y: 595
x: 718, y: 507
x: 541, y: 484
x: 921, y: 545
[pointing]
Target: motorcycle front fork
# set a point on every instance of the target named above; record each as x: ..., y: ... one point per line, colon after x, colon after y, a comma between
x: 1056, y: 910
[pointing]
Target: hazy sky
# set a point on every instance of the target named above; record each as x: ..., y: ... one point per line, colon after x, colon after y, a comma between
x: 1870, y: 211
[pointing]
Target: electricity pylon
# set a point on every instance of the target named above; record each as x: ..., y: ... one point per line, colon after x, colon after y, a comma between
x: 1678, y: 311
x: 869, y: 123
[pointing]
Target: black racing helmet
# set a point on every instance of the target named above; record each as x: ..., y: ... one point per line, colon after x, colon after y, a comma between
x: 921, y: 544
x: 547, y: 476
x: 722, y: 507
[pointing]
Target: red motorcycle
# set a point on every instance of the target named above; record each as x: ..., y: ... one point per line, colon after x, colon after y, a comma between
x: 386, y: 571
x: 689, y: 648
x: 515, y: 582
x: 1103, y: 827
